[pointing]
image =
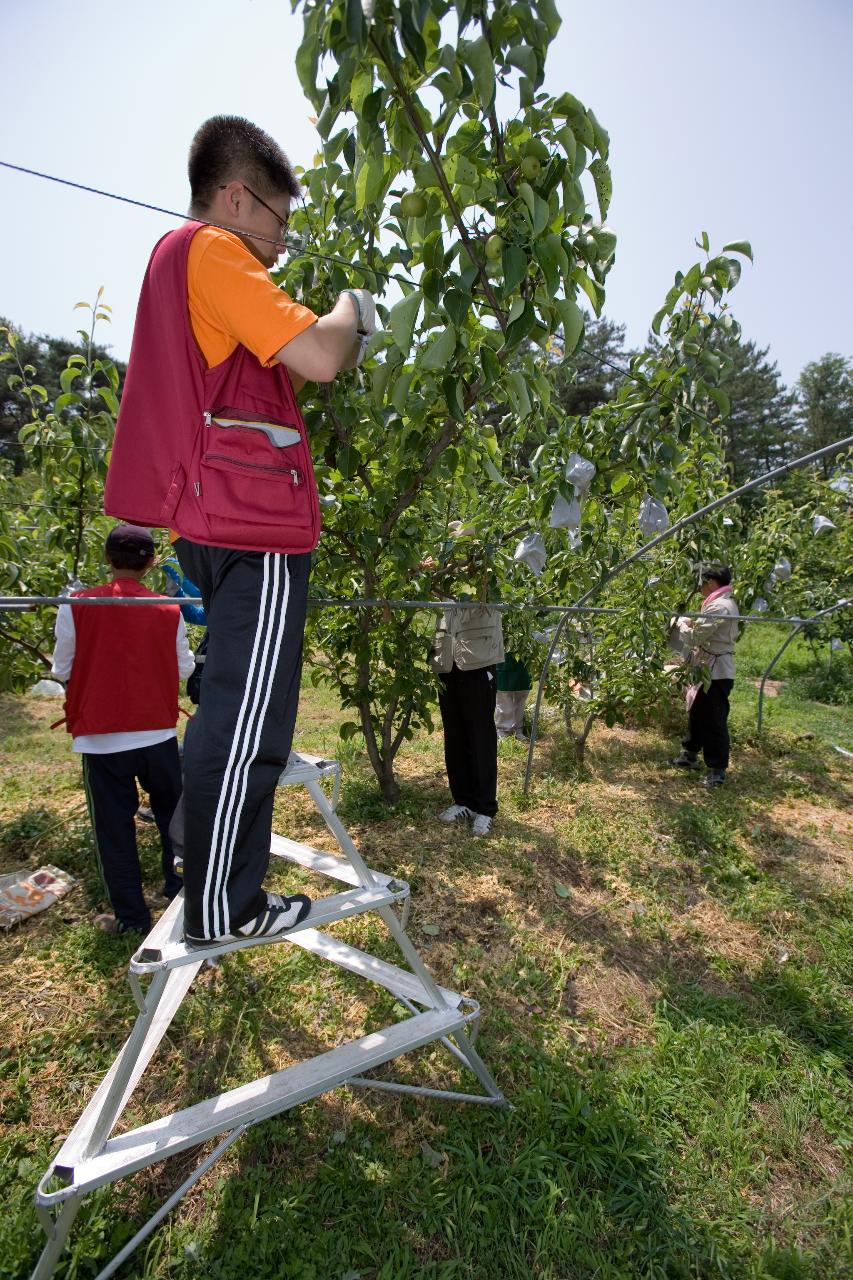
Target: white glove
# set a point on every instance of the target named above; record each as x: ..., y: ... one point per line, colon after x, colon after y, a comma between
x: 365, y: 310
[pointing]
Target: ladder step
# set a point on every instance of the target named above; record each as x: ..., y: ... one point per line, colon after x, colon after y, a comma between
x: 170, y: 950
x: 250, y: 1103
x: 400, y: 982
x: 302, y: 767
x: 325, y: 864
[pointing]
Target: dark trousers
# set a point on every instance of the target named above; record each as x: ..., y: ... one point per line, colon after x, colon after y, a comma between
x: 467, y: 704
x: 110, y: 782
x: 238, y: 741
x: 707, y: 724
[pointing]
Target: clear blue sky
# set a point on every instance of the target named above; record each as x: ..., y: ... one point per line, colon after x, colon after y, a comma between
x: 733, y: 117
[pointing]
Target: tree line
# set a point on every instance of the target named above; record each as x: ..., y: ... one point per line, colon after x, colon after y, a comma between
x: 769, y: 422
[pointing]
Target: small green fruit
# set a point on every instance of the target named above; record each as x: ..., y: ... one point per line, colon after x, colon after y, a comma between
x: 494, y: 246
x: 536, y: 147
x: 413, y: 205
x: 531, y: 167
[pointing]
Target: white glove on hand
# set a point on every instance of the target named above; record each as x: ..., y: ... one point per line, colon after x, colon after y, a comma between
x: 365, y: 310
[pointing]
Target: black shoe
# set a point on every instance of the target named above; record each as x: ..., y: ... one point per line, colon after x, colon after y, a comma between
x: 171, y: 889
x: 713, y: 778
x: 687, y: 760
x: 279, y: 916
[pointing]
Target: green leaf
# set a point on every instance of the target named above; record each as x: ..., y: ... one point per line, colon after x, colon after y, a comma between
x: 620, y: 480
x: 440, y: 350
x: 601, y: 136
x: 401, y: 390
x: 520, y: 328
x: 457, y: 305
x: 453, y: 395
x: 523, y: 57
x: 516, y: 386
x: 547, y: 259
x: 567, y: 105
x: 592, y: 290
x: 549, y: 14
x: 606, y: 239
x: 478, y: 56
x: 739, y: 246
x: 658, y: 319
x: 492, y: 472
x: 600, y: 171
x: 571, y: 318
x: 432, y: 931
x: 370, y: 181
x: 568, y: 142
x: 491, y: 365
x: 381, y: 376
x: 561, y: 890
x: 401, y: 320
x: 528, y: 196
x: 514, y: 267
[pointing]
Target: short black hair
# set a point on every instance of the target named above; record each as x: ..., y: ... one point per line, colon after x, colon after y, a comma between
x: 229, y: 148
x: 717, y: 573
x: 129, y: 557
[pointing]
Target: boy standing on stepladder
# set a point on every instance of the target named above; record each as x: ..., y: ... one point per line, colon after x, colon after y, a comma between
x: 210, y: 443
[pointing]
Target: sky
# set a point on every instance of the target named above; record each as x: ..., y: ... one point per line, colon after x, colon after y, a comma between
x: 732, y: 117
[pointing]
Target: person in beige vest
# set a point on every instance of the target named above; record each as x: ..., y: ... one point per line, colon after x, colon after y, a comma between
x: 712, y: 639
x: 468, y: 645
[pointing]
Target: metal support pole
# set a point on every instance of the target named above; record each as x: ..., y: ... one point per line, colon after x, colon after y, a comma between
x: 168, y: 1205
x: 608, y: 577
x: 800, y: 624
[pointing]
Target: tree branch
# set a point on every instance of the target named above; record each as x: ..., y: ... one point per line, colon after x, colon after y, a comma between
x: 435, y: 161
x: 25, y: 644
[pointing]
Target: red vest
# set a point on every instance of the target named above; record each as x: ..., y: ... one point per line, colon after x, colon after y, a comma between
x: 172, y: 465
x: 125, y: 671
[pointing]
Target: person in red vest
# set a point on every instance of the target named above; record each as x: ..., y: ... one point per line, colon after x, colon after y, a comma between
x: 121, y: 666
x: 211, y: 444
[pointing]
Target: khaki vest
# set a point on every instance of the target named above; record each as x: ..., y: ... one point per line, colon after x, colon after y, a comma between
x: 472, y: 638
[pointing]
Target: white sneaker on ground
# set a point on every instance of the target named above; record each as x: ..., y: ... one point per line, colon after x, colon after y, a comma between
x: 482, y: 825
x: 279, y: 915
x: 454, y: 812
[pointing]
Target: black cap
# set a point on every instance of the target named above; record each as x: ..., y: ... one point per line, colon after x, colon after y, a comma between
x: 132, y: 540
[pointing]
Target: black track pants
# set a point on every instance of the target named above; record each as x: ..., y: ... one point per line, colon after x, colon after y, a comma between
x: 110, y: 782
x: 239, y: 739
x: 467, y: 704
x: 707, y: 724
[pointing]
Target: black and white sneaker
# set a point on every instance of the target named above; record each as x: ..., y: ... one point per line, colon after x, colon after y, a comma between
x: 279, y: 916
x: 713, y: 778
x: 686, y: 760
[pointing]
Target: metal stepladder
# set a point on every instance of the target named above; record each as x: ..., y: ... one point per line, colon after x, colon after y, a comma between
x: 93, y: 1156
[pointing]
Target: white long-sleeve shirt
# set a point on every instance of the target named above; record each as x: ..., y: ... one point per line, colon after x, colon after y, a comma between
x: 101, y: 744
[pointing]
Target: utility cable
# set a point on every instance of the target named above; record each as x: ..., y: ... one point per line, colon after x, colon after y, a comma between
x: 296, y: 249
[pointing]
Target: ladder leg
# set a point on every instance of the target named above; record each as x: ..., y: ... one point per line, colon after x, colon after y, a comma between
x: 340, y: 833
x: 478, y: 1066
x: 57, y: 1235
x: 111, y: 1105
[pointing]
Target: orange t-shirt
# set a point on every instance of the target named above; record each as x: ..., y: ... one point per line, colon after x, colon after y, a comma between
x: 232, y: 299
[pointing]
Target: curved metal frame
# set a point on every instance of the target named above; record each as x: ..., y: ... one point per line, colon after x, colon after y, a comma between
x: 846, y: 443
x: 798, y: 627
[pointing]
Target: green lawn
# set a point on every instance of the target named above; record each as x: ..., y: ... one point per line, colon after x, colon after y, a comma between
x: 664, y: 976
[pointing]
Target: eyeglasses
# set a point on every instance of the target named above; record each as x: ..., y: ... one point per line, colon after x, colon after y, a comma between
x: 282, y: 223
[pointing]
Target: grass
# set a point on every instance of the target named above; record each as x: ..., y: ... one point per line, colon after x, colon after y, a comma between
x: 785, y: 706
x: 664, y: 976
